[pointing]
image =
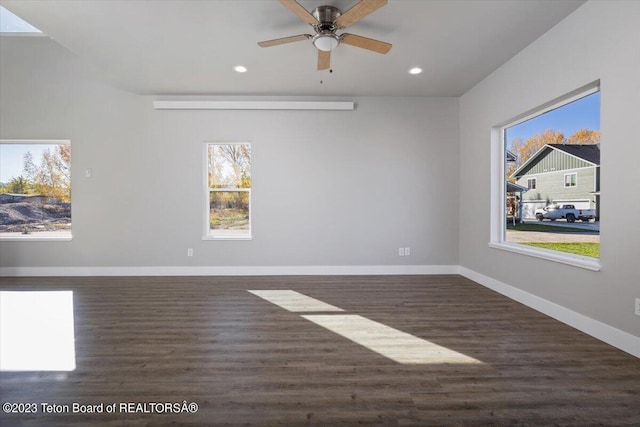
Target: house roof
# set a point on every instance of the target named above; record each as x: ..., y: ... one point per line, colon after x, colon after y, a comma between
x: 590, y: 153
x: 587, y: 152
x: 515, y: 188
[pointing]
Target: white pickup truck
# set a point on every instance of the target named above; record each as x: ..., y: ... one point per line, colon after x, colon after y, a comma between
x: 568, y: 212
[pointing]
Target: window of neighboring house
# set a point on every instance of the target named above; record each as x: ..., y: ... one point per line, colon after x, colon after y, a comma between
x: 550, y: 142
x: 35, y: 189
x: 570, y: 179
x: 228, y: 196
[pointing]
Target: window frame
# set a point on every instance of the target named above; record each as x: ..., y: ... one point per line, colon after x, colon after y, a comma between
x: 31, y: 237
x: 206, y: 233
x: 498, y: 219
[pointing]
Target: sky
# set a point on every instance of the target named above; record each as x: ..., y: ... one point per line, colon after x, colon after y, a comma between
x: 583, y: 113
x: 10, y: 23
x: 12, y: 159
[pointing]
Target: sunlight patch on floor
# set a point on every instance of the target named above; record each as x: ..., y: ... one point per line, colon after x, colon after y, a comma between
x: 37, y: 331
x: 294, y: 301
x: 396, y: 345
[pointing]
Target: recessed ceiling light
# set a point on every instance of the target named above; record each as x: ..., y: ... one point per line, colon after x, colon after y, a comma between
x: 415, y: 70
x: 240, y: 69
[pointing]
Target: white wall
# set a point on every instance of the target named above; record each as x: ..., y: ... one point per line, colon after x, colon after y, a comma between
x: 599, y: 41
x: 330, y: 188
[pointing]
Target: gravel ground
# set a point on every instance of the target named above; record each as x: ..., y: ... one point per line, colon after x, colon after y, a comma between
x: 14, y: 217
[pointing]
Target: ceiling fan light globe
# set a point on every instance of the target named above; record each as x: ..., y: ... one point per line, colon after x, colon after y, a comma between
x: 326, y: 42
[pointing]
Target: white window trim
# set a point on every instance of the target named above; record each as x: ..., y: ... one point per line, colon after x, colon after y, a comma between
x: 498, y: 216
x: 565, y: 180
x: 206, y: 235
x: 30, y: 237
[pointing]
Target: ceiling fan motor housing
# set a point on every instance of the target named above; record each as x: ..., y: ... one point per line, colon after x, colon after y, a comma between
x: 326, y: 38
x: 327, y: 16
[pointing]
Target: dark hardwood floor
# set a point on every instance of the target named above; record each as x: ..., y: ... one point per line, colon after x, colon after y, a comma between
x: 246, y: 361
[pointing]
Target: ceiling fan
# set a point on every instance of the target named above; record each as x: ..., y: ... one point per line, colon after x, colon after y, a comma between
x: 326, y: 20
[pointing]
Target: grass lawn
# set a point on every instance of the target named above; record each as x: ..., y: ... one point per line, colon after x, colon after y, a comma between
x: 586, y: 249
x: 548, y: 228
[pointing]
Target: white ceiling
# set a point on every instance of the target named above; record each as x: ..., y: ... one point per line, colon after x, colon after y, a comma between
x: 190, y: 47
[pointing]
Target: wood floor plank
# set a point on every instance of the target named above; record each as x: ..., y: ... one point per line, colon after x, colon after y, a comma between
x: 246, y: 361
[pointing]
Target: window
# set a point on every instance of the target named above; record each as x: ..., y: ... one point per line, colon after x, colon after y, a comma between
x: 570, y: 179
x: 537, y: 156
x: 228, y: 197
x: 12, y: 24
x: 35, y: 190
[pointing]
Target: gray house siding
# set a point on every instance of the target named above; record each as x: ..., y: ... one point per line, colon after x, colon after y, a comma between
x: 555, y: 160
x: 550, y: 187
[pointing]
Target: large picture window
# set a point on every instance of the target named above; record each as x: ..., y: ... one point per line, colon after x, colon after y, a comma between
x: 35, y: 189
x: 228, y: 198
x: 550, y: 181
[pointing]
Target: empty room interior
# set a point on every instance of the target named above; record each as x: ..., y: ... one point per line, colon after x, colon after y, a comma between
x: 329, y: 213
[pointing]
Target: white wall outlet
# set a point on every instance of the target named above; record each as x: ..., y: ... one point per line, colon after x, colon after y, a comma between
x: 88, y: 173
x: 637, y: 306
x: 400, y: 251
x: 190, y: 252
x: 407, y: 251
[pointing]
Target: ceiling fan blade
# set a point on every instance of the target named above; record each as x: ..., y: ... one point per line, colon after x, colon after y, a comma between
x: 366, y: 43
x: 324, y: 59
x: 284, y: 40
x: 359, y: 11
x: 303, y: 13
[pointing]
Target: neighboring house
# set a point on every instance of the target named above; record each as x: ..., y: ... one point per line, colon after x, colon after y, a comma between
x: 514, y: 195
x: 559, y: 173
x: 17, y: 198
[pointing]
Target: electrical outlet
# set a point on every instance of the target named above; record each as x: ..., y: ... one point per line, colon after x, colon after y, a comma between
x: 637, y: 306
x: 190, y: 252
x: 400, y: 251
x: 407, y: 251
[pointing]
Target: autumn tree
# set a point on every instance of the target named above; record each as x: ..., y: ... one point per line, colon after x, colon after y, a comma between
x: 585, y: 136
x: 238, y: 155
x: 532, y: 145
x: 230, y: 167
x: 18, y: 185
x: 52, y: 177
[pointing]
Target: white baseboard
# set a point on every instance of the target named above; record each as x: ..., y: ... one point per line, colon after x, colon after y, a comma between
x: 612, y: 336
x: 347, y: 270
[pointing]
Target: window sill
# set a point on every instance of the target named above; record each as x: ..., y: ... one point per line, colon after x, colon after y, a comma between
x: 227, y: 237
x: 35, y: 239
x: 564, y: 258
